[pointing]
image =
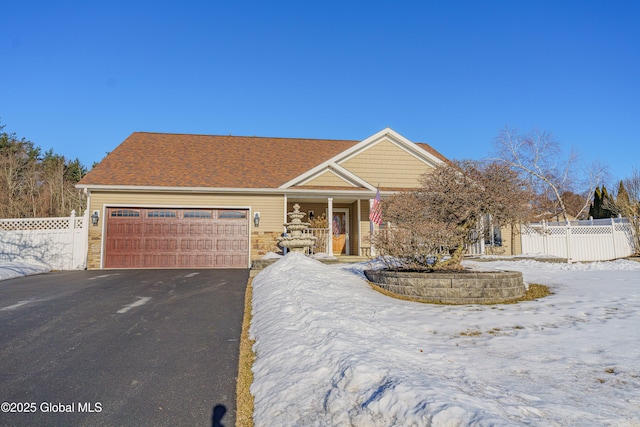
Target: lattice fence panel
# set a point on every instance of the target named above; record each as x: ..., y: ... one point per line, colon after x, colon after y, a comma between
x: 35, y: 224
x: 594, y: 240
x: 596, y: 230
x: 624, y: 228
x: 556, y: 231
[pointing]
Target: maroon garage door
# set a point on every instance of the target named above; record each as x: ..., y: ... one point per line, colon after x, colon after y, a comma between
x: 176, y: 238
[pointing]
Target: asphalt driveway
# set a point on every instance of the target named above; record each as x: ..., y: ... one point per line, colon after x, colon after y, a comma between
x: 121, y: 347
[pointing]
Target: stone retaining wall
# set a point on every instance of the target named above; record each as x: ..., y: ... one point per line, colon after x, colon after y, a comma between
x: 464, y: 287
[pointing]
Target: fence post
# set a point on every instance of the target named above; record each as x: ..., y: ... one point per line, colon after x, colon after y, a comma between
x: 568, y: 235
x: 545, y: 237
x: 72, y: 231
x: 613, y: 236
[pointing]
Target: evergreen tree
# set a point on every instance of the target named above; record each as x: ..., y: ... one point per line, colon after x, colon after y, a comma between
x: 623, y: 196
x: 607, y: 204
x: 595, y: 208
x: 602, y: 205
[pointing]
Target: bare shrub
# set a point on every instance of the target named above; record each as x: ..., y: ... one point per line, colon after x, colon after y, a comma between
x: 432, y: 226
x: 319, y: 221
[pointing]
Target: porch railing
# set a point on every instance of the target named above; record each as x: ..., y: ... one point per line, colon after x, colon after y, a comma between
x: 322, y: 244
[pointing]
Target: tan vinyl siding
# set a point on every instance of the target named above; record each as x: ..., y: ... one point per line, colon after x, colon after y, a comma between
x: 515, y: 239
x: 365, y: 227
x: 328, y: 179
x: 387, y: 165
x: 269, y: 206
x: 511, y: 242
x: 506, y: 235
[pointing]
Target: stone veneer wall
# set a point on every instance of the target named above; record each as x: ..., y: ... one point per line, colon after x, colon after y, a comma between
x: 94, y: 248
x: 465, y: 287
x: 263, y: 242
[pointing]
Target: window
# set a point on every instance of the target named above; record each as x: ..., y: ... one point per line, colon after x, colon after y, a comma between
x: 197, y: 214
x: 161, y: 214
x: 232, y: 215
x: 125, y: 212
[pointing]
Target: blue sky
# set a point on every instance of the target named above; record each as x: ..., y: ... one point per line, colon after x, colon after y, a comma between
x: 79, y: 77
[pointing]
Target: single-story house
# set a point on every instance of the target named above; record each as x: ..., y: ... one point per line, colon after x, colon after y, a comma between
x: 181, y: 201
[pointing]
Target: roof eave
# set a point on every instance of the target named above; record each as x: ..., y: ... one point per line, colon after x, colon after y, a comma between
x: 276, y: 191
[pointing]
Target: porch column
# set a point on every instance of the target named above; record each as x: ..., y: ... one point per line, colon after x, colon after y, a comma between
x: 330, y: 223
x: 359, y: 209
x: 284, y: 218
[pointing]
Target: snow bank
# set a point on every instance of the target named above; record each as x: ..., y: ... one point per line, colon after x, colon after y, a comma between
x: 331, y: 351
x: 9, y: 271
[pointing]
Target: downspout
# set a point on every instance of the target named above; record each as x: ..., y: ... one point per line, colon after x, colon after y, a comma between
x: 284, y: 221
x: 86, y: 223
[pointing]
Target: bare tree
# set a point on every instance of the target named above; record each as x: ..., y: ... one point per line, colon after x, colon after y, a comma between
x: 537, y: 157
x: 17, y: 168
x: 434, y: 225
x: 593, y: 175
x: 627, y: 203
x: 32, y: 185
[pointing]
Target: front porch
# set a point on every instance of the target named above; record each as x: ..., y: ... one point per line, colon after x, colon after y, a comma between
x: 341, y: 225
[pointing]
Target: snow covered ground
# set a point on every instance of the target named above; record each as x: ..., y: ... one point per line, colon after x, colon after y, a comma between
x: 11, y: 270
x: 333, y: 352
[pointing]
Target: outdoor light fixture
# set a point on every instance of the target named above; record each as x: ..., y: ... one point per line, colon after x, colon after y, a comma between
x: 311, y: 215
x: 256, y: 219
x: 95, y: 218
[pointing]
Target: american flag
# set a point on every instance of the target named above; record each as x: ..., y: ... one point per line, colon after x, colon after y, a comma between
x: 375, y: 215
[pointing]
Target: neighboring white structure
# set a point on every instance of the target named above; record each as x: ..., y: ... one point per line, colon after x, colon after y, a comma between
x: 589, y: 240
x: 58, y: 243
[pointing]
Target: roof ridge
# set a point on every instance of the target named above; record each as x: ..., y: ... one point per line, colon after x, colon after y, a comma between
x: 242, y: 136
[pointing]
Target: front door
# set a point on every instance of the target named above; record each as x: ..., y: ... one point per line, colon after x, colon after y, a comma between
x: 340, y: 231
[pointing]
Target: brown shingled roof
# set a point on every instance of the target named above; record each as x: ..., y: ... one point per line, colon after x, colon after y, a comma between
x: 182, y: 160
x: 429, y: 149
x: 179, y: 160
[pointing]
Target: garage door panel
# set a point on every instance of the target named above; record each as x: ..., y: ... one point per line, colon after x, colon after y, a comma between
x: 223, y: 260
x: 157, y: 238
x: 196, y: 260
x: 124, y: 229
x: 124, y: 245
x: 125, y: 261
x: 160, y: 260
x: 163, y: 245
x: 200, y: 229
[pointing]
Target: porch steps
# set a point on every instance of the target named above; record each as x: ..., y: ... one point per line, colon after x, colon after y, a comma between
x: 351, y: 258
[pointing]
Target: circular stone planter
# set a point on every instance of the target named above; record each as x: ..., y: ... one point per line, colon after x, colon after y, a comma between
x: 453, y: 287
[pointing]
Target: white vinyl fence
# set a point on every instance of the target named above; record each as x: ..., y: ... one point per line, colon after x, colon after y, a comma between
x: 590, y: 240
x: 58, y: 243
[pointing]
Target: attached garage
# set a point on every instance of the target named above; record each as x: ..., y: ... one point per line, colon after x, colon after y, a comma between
x: 176, y: 238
